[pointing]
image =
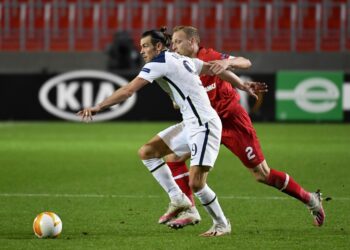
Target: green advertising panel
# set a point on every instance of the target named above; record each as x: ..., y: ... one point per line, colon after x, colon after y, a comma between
x: 309, y: 96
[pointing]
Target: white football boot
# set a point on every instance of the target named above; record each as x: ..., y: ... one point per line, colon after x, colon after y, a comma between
x: 316, y: 208
x: 185, y: 218
x: 218, y: 230
x: 176, y: 206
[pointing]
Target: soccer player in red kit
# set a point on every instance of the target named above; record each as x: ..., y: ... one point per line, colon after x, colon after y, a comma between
x: 238, y: 133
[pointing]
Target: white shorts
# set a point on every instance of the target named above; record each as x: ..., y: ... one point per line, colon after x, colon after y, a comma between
x: 203, y: 142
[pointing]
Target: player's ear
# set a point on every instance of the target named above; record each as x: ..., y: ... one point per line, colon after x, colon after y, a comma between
x: 192, y: 40
x: 159, y: 46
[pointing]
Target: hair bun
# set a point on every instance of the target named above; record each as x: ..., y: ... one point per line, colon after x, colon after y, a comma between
x: 167, y: 36
x: 163, y: 29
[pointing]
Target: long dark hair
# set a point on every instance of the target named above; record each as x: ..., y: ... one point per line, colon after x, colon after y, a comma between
x: 158, y: 36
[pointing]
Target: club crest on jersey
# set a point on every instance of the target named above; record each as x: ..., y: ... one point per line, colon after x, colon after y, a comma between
x: 147, y: 70
x: 194, y: 149
x: 224, y: 56
x: 188, y: 66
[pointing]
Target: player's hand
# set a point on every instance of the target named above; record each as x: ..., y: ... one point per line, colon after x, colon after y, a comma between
x: 218, y: 66
x: 255, y: 88
x: 87, y: 113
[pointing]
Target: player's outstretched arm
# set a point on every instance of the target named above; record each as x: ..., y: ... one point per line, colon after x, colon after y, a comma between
x: 218, y: 66
x: 118, y: 96
x: 239, y: 63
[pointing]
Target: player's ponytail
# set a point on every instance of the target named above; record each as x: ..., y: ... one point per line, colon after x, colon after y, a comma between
x: 158, y: 36
x: 167, y: 36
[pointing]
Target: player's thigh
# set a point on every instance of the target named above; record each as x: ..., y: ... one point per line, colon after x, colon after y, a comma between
x: 154, y: 148
x: 204, y: 142
x: 240, y: 138
x: 175, y: 137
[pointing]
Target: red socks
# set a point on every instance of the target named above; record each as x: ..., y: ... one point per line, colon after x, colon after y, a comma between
x: 286, y: 184
x: 277, y: 179
x: 180, y: 174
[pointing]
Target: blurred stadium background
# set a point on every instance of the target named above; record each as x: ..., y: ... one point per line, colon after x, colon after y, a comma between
x: 300, y: 48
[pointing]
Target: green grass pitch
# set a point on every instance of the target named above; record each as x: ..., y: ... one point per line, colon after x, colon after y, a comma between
x: 90, y: 175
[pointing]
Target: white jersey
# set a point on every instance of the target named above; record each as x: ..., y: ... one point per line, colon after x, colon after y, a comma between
x: 178, y: 76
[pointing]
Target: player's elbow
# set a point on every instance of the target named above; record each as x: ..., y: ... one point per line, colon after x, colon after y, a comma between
x: 127, y: 93
x: 248, y: 63
x: 245, y: 63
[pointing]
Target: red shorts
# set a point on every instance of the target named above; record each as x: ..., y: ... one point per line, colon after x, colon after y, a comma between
x: 239, y: 136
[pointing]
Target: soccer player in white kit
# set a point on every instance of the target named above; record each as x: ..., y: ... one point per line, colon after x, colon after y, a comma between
x: 179, y: 77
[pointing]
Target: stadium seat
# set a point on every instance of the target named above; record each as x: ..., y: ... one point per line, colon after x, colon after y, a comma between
x: 35, y: 30
x: 60, y: 30
x: 281, y: 31
x: 281, y: 42
x: 185, y: 14
x: 259, y: 18
x: 235, y: 21
x: 161, y: 16
x: 209, y: 15
x: 78, y: 30
x: 10, y: 34
x: 85, y: 29
x: 307, y: 43
x: 331, y: 42
x: 313, y: 1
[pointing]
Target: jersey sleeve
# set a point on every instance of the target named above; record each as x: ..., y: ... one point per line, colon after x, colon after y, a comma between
x: 215, y: 55
x: 198, y: 65
x: 226, y: 56
x: 152, y: 71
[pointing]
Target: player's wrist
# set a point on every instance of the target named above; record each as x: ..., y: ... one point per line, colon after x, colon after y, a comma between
x: 99, y: 107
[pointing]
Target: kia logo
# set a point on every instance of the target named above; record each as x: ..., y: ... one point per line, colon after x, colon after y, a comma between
x: 65, y: 94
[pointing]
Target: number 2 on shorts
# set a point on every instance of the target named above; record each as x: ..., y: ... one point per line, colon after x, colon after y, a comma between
x: 250, y: 154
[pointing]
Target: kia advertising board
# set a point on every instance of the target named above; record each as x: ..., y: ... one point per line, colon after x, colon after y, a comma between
x: 45, y: 96
x: 301, y: 96
x: 75, y: 90
x: 309, y: 96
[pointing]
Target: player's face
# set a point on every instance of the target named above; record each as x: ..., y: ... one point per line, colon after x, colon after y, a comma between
x: 182, y: 44
x: 148, y: 51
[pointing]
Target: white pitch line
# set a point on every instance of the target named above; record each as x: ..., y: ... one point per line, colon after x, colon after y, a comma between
x: 226, y: 197
x: 80, y: 195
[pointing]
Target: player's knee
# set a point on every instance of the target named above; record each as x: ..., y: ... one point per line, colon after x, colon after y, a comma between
x: 142, y: 153
x: 147, y: 152
x: 261, y: 172
x: 196, y: 185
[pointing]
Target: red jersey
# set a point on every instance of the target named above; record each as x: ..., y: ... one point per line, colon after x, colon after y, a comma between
x: 223, y: 97
x: 238, y: 133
